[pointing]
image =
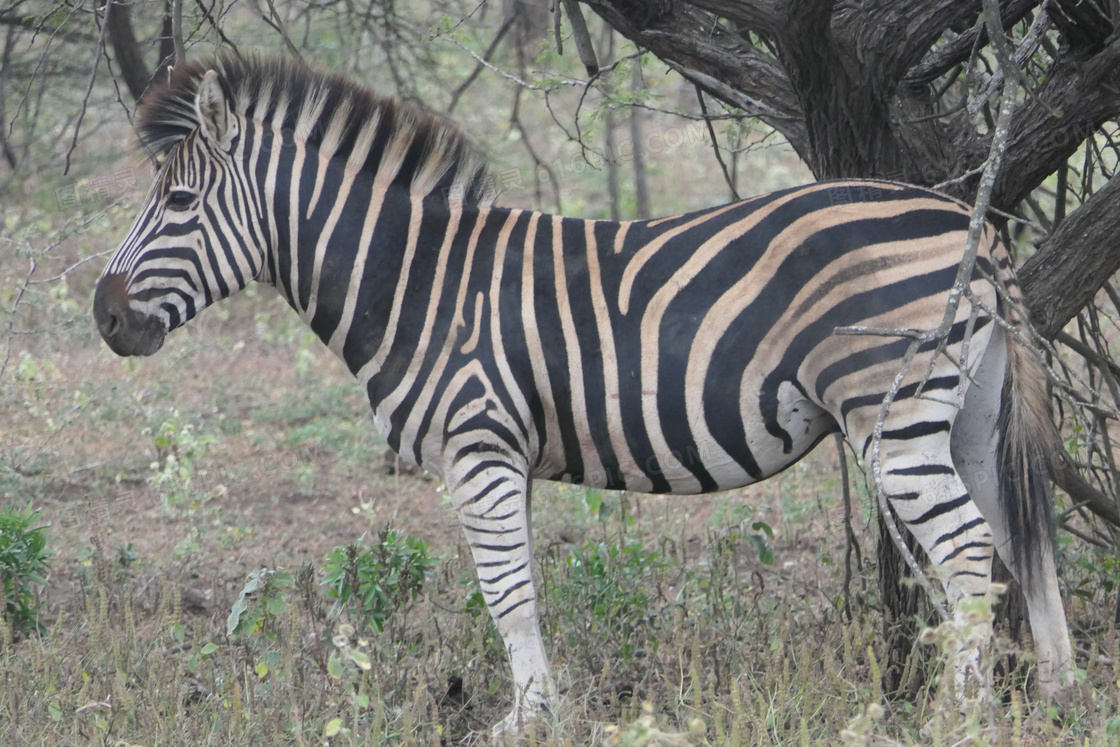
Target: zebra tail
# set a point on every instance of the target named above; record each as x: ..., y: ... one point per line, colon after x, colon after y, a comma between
x: 1030, y: 450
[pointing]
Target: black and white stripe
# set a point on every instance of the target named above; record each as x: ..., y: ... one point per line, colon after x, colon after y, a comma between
x: 497, y: 346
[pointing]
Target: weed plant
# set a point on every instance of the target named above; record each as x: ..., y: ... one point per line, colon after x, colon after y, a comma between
x: 372, y: 582
x: 24, y: 566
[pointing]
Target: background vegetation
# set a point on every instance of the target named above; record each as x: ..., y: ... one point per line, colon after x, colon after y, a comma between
x: 194, y: 574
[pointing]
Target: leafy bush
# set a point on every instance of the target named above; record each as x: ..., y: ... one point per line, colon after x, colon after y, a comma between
x: 24, y: 564
x: 607, y: 580
x: 377, y: 579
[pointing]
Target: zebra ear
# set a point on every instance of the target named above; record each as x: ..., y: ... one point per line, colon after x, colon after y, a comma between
x: 215, y: 115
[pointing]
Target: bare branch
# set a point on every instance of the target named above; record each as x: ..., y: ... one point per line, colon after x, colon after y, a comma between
x: 85, y: 99
x: 850, y: 543
x: 12, y: 315
x: 715, y: 144
x: 274, y: 20
x: 1024, y: 52
x: 458, y: 92
x: 177, y: 31
x: 583, y: 39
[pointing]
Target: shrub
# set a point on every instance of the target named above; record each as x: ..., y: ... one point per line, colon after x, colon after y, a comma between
x: 24, y: 565
x: 603, y: 592
x: 377, y: 579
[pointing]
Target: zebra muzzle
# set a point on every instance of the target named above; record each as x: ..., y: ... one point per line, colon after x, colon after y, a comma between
x: 125, y: 330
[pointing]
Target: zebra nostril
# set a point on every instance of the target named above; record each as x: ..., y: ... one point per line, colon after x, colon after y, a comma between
x: 111, y: 327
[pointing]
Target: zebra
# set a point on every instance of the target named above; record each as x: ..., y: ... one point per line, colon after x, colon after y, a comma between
x: 684, y: 355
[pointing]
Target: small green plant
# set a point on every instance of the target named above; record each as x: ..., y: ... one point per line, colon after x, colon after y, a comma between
x: 261, y: 600
x: 178, y: 449
x: 758, y: 539
x: 377, y: 579
x: 602, y: 504
x: 24, y: 565
x: 126, y: 555
x: 258, y: 610
x: 607, y: 580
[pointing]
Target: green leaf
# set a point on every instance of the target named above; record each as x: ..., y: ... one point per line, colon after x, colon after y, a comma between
x: 765, y: 552
x: 334, y: 666
x: 334, y: 726
x: 235, y: 614
x: 762, y: 526
x: 208, y: 649
x: 275, y: 605
x: 594, y: 500
x: 261, y: 669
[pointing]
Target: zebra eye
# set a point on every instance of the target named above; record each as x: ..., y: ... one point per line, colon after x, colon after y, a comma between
x: 180, y: 199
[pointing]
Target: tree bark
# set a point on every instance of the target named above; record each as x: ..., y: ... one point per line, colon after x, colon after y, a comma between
x: 1069, y: 269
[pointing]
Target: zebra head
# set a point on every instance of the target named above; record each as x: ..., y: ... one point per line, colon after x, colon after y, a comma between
x: 192, y: 243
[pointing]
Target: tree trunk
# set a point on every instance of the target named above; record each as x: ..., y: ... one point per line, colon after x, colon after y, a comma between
x: 641, y: 183
x: 903, y: 606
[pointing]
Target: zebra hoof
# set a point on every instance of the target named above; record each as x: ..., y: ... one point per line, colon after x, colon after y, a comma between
x: 514, y: 728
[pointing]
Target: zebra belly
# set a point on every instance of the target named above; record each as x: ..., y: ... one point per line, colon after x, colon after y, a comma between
x: 701, y: 465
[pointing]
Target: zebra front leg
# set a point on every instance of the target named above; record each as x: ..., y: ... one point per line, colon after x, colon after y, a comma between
x: 493, y: 506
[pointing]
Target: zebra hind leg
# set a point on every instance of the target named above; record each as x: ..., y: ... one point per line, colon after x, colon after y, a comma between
x: 491, y: 500
x: 927, y: 493
x: 975, y: 444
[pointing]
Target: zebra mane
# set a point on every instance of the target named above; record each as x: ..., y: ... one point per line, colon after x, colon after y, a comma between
x: 337, y: 115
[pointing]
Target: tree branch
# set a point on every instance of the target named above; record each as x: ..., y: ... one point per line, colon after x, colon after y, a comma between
x: 722, y: 63
x: 126, y: 49
x: 1085, y: 24
x: 953, y: 53
x: 177, y: 32
x: 36, y: 24
x: 462, y: 88
x: 1069, y: 267
x: 584, y: 46
x: 1086, y: 94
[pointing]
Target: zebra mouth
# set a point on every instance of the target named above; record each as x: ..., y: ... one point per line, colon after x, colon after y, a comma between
x: 125, y: 330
